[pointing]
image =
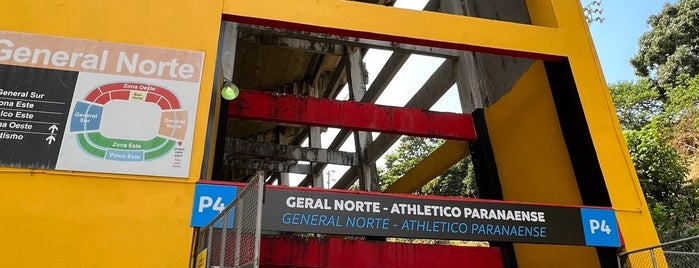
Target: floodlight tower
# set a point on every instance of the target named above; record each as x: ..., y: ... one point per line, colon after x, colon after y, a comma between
x: 593, y: 12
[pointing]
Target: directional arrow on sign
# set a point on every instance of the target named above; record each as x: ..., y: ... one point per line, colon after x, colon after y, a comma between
x: 53, y: 128
x: 50, y: 139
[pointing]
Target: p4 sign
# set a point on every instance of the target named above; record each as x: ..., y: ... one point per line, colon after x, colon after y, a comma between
x: 209, y: 201
x: 601, y: 229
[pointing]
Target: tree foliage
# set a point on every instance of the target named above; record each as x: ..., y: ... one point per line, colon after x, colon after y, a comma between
x: 671, y: 47
x: 457, y: 181
x: 672, y: 197
x: 636, y: 103
x: 660, y: 117
x: 652, y: 128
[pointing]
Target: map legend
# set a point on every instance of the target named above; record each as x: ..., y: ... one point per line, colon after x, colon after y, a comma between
x: 33, y: 114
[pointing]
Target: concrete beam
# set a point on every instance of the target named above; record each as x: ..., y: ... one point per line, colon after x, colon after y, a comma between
x: 481, y: 80
x: 369, y: 180
x: 290, y: 43
x: 271, y: 165
x: 338, y: 78
x: 229, y: 45
x: 385, y: 76
x: 435, y: 87
x: 289, y: 152
x: 314, y: 141
x: 326, y: 39
x: 336, y: 83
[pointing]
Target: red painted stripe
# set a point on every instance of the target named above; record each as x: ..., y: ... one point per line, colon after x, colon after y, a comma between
x: 258, y: 105
x: 282, y: 251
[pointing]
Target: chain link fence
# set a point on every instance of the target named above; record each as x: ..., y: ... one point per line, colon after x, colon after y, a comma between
x: 683, y: 253
x: 232, y: 239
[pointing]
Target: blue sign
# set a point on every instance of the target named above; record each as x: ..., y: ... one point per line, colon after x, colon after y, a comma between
x: 209, y: 201
x: 600, y: 227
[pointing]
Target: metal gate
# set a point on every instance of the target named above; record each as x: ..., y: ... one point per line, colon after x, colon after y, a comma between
x: 682, y: 253
x: 232, y: 239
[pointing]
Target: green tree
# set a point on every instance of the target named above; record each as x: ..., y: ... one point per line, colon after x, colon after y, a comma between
x: 650, y: 127
x: 636, y: 103
x: 683, y: 116
x: 457, y: 181
x: 669, y: 49
x: 659, y: 167
x: 410, y: 151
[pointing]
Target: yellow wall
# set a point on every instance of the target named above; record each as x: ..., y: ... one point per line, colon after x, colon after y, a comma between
x: 80, y: 221
x: 533, y: 162
x: 559, y: 30
x: 64, y: 219
x: 620, y: 177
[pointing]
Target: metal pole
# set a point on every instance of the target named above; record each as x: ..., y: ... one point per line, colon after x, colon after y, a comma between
x: 238, y: 227
x: 222, y: 256
x: 258, y: 221
x: 652, y: 258
x: 208, y: 245
x: 618, y: 261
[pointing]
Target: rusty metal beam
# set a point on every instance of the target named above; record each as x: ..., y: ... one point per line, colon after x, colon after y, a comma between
x: 383, y: 78
x: 290, y: 166
x: 349, y: 41
x: 435, y: 87
x: 289, y: 152
x: 291, y: 109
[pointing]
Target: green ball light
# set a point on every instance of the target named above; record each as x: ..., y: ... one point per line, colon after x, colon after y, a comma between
x: 229, y: 91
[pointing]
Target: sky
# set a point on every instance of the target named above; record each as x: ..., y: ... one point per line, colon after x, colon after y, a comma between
x: 616, y: 38
x: 616, y: 41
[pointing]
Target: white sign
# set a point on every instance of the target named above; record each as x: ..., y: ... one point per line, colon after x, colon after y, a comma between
x: 128, y: 109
